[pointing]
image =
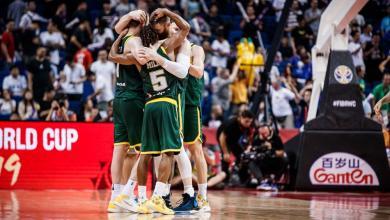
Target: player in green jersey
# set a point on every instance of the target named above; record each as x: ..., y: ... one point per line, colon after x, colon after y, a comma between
x: 128, y: 113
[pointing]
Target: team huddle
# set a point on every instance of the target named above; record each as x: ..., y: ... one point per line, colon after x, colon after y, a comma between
x: 156, y: 112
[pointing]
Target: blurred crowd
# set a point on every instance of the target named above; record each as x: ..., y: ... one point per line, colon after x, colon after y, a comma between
x: 54, y: 67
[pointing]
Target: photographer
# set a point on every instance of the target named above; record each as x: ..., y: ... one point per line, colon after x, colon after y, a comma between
x: 59, y: 110
x: 229, y: 134
x: 265, y: 158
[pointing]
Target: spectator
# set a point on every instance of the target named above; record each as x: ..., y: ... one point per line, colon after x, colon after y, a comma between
x: 54, y: 41
x: 216, y: 116
x: 28, y: 108
x: 221, y: 50
x: 8, y: 42
x: 39, y: 74
x: 200, y: 28
x: 84, y: 57
x: 59, y: 110
x: 278, y: 6
x: 91, y: 114
x: 30, y: 15
x: 249, y: 28
x: 101, y: 35
x: 229, y: 134
x: 190, y: 7
x: 221, y: 87
x: 7, y: 106
x: 108, y: 15
x: 313, y: 16
x: 105, y: 69
x: 15, y: 10
x: 240, y: 91
x: 280, y: 98
x: 304, y: 103
x: 286, y: 49
x: 102, y: 92
x: 110, y: 113
x: 213, y: 18
x: 366, y: 36
x: 292, y: 20
x: 80, y: 38
x: 302, y: 34
x: 31, y: 42
x: 355, y: 47
x: 15, y: 83
x: 75, y: 77
x: 373, y: 56
x: 45, y: 104
x: 60, y: 17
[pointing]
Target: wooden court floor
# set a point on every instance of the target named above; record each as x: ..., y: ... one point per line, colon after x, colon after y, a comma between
x: 226, y: 205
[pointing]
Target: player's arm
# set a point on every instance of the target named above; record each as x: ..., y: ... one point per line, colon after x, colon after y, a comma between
x: 124, y: 58
x: 179, y: 68
x: 177, y: 39
x: 197, y: 67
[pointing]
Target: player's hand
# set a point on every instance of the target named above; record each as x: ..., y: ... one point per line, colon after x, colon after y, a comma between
x: 138, y: 15
x: 147, y: 54
x: 226, y: 157
x: 158, y: 13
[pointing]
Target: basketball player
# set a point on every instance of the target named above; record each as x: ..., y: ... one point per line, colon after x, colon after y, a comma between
x: 182, y: 159
x: 160, y: 134
x: 190, y: 97
x: 128, y: 114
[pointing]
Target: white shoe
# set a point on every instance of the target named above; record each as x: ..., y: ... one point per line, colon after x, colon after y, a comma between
x: 126, y: 202
x: 113, y: 208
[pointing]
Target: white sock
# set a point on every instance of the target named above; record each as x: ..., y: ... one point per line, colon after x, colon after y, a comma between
x: 184, y: 164
x: 160, y: 189
x: 168, y: 189
x: 142, y: 193
x: 128, y: 189
x: 189, y: 190
x: 115, y: 191
x: 202, y: 188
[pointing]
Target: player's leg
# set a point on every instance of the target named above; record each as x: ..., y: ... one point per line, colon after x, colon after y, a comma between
x: 121, y: 145
x: 192, y: 137
x: 132, y: 114
x: 169, y: 143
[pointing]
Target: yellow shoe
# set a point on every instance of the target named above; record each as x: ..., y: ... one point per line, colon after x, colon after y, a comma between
x: 157, y: 204
x: 126, y: 202
x: 203, y: 204
x: 112, y: 208
x: 143, y: 208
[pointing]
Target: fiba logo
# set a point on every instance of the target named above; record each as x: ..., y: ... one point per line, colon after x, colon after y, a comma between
x: 343, y: 74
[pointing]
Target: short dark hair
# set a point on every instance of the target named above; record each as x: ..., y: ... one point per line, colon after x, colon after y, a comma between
x: 247, y: 114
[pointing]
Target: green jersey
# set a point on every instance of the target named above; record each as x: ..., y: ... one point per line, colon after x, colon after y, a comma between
x: 158, y: 83
x: 194, y: 91
x: 128, y: 80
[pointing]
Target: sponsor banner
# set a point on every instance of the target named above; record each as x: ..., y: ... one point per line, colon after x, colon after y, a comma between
x: 340, y: 168
x: 40, y: 155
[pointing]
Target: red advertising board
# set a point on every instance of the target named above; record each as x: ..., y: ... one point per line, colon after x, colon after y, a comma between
x: 41, y: 155
x: 55, y: 155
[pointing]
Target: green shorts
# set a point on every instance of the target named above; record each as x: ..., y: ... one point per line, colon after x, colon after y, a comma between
x: 192, y: 124
x: 128, y: 115
x: 160, y: 131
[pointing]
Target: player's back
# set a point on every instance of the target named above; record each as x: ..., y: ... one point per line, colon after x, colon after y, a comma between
x: 128, y: 81
x: 158, y: 83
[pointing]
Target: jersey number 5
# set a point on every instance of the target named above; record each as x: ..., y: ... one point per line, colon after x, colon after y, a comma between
x: 158, y: 80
